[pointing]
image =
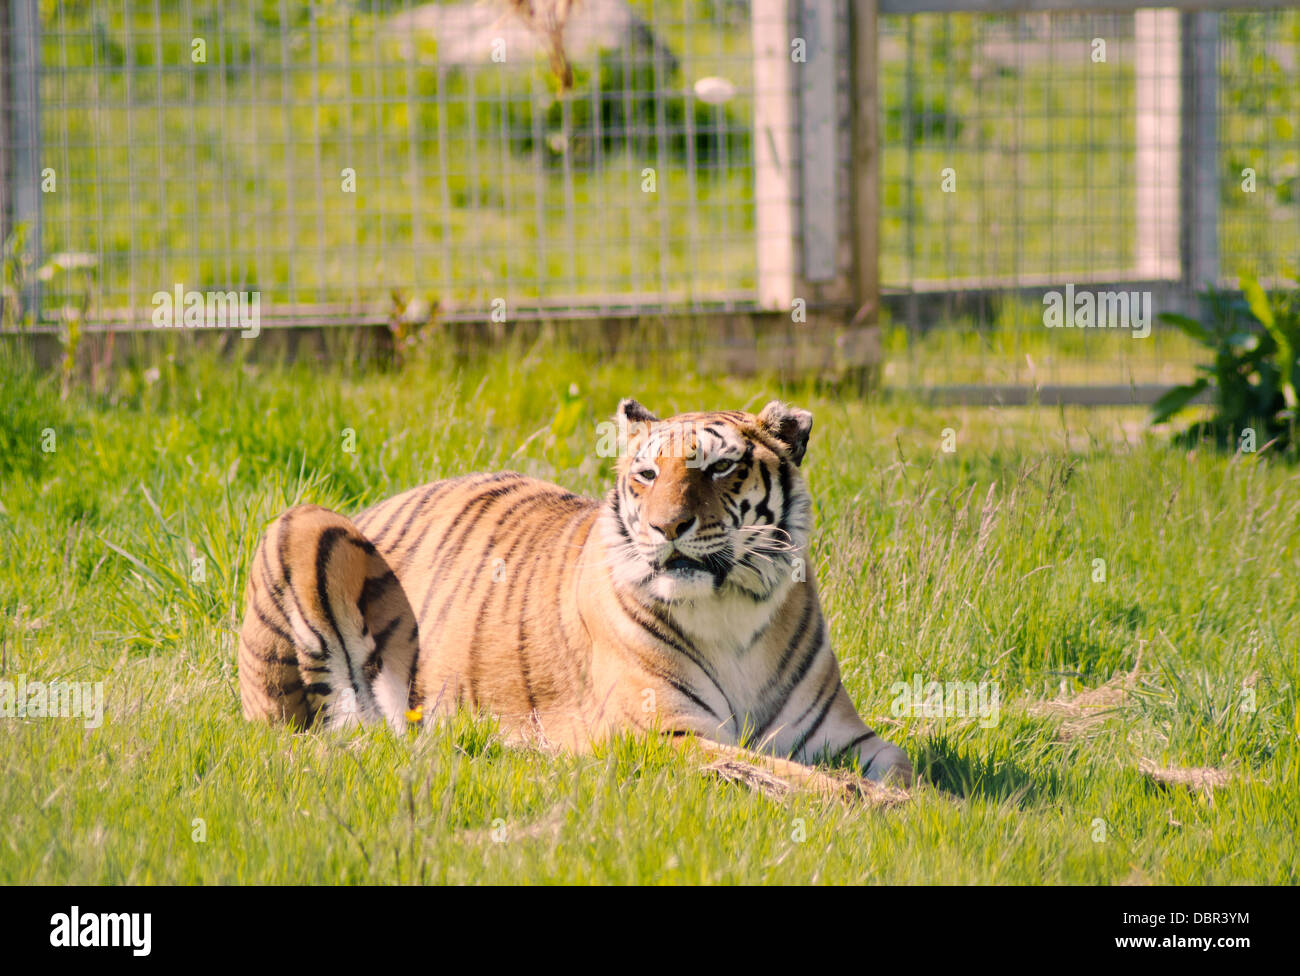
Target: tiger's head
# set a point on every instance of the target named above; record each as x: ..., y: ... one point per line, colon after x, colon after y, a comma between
x: 709, y: 503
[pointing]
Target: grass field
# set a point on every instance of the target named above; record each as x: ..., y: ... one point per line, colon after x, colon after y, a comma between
x: 975, y: 565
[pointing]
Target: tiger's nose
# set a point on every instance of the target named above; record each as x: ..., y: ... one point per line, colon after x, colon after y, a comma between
x: 673, y: 527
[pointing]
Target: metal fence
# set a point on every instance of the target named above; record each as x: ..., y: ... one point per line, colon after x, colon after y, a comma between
x: 327, y: 154
x: 1145, y: 149
x: 346, y: 156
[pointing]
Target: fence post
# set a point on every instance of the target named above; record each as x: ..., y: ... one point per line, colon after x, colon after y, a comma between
x: 796, y: 158
x: 20, y: 136
x: 774, y: 152
x: 818, y: 203
x: 1200, y: 170
x: 1157, y: 89
x: 865, y: 231
x: 815, y: 179
x: 5, y: 177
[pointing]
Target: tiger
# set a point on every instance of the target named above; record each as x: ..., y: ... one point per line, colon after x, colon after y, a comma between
x: 679, y: 605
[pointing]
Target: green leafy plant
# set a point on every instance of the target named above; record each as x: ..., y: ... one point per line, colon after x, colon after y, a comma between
x: 15, y: 273
x: 78, y: 271
x: 410, y: 318
x: 1255, y: 340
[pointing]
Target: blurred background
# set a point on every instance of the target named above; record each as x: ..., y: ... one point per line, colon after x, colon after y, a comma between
x: 883, y: 184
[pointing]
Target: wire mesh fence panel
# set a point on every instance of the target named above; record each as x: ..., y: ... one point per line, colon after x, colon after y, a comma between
x: 326, y: 155
x: 1023, y: 154
x: 1259, y: 142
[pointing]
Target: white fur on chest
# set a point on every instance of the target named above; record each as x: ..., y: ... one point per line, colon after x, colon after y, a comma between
x: 723, y: 628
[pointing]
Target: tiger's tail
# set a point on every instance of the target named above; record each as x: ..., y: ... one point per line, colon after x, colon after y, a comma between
x: 328, y: 633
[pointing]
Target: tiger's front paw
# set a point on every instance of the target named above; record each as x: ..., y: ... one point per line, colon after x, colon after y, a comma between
x: 886, y: 764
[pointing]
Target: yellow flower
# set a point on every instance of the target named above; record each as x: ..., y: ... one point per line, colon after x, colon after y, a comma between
x: 415, y: 714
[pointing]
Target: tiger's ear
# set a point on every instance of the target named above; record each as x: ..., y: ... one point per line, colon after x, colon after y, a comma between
x: 634, y: 413
x: 789, y: 425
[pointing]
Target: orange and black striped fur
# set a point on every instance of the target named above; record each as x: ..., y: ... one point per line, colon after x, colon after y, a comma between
x: 679, y: 604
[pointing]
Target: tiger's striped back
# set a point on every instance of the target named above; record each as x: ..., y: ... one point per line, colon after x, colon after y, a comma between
x: 486, y: 574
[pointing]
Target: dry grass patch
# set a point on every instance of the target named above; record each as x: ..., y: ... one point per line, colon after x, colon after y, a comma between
x: 1198, y: 779
x: 1083, y: 714
x: 831, y: 785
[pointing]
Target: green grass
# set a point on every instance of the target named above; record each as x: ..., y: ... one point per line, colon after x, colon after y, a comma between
x: 974, y: 565
x: 1013, y: 347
